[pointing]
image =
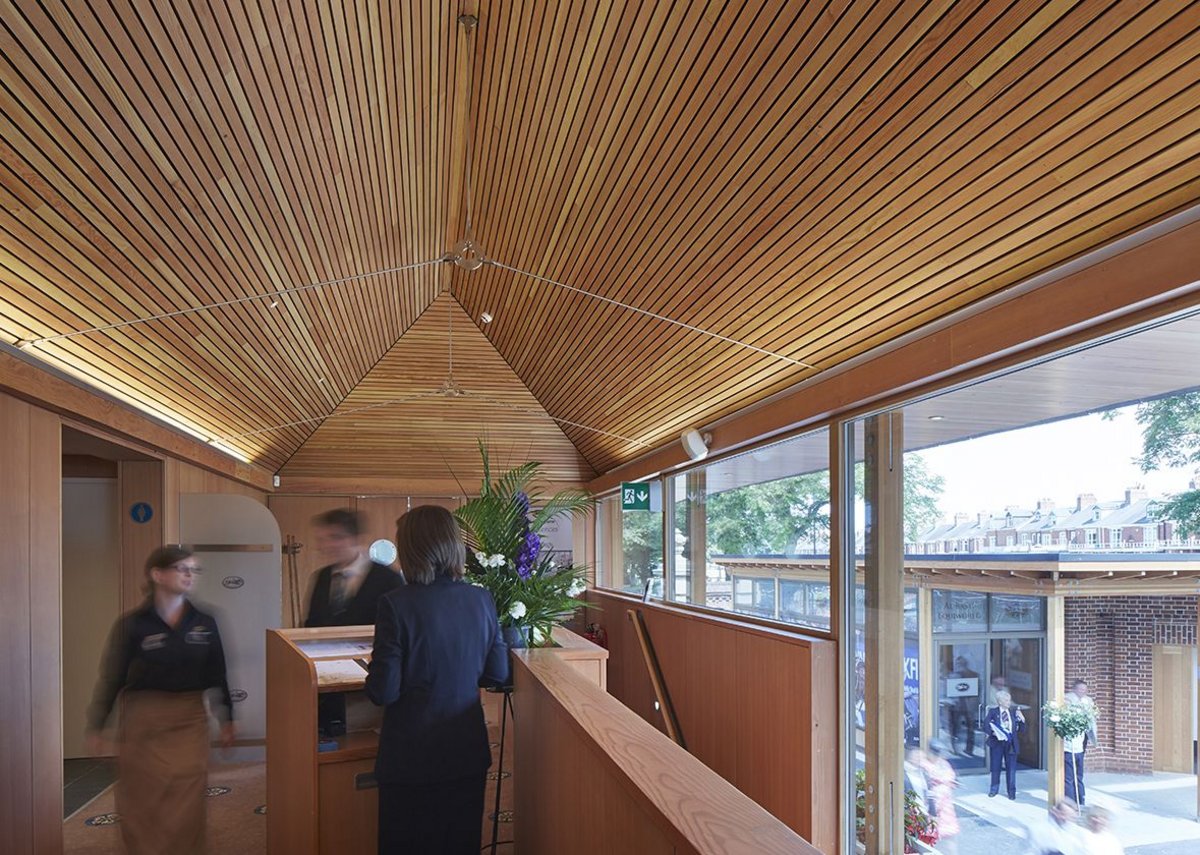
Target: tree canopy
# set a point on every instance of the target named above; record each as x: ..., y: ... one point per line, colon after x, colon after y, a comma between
x: 1171, y: 438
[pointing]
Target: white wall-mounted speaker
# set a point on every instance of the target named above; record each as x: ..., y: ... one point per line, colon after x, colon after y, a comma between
x: 695, y: 443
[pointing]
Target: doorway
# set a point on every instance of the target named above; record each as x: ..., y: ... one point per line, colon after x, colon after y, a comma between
x: 971, y: 671
x: 1175, y: 708
x: 96, y: 483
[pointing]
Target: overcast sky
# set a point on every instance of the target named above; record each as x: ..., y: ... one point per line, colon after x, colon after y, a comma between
x: 1056, y: 461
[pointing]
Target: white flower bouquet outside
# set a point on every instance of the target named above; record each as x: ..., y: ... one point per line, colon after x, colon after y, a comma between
x: 1069, y: 720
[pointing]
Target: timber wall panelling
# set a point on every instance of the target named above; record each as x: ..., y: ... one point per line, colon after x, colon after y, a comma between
x: 756, y: 705
x: 30, y: 704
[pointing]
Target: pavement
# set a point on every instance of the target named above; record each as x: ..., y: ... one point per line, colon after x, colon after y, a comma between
x: 1151, y: 814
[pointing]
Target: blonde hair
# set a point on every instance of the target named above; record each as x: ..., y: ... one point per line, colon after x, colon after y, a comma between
x: 1003, y: 694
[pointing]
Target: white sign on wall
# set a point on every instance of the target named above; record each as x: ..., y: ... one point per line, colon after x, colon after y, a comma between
x: 962, y: 687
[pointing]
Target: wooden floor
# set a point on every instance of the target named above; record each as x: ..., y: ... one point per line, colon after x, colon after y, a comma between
x: 236, y: 806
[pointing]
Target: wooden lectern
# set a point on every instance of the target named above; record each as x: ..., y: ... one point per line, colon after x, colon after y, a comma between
x: 325, y: 802
x: 320, y: 801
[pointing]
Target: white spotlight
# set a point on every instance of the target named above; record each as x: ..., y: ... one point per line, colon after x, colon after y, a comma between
x: 695, y: 443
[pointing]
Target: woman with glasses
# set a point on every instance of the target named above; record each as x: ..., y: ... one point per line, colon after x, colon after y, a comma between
x: 161, y: 659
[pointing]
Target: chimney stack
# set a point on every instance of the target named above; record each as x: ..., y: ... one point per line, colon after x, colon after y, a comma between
x: 1084, y: 500
x: 1134, y: 494
x: 1045, y: 505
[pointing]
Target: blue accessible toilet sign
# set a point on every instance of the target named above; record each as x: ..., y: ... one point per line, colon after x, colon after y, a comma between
x: 141, y: 512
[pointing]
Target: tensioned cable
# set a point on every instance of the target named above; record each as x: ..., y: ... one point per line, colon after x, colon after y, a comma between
x: 378, y: 404
x: 236, y: 301
x: 468, y: 393
x: 651, y: 314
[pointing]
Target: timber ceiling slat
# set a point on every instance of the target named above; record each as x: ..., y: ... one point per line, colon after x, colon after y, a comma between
x: 220, y: 177
x: 814, y: 178
x: 435, y: 436
x: 555, y: 404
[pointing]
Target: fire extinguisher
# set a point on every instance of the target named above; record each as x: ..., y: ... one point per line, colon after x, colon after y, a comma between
x: 596, y: 634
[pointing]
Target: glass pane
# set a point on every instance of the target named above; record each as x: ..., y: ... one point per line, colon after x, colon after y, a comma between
x: 960, y: 611
x: 1012, y: 611
x: 761, y: 516
x: 961, y: 702
x: 1039, y: 487
x: 628, y: 547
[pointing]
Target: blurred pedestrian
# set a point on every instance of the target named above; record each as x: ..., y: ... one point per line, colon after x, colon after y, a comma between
x: 943, y: 782
x: 161, y: 659
x: 1098, y: 839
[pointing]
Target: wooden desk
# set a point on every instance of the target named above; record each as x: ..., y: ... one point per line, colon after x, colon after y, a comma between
x: 318, y: 801
x: 322, y: 803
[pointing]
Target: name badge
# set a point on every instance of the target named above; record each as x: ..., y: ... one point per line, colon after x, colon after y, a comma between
x: 154, y: 642
x: 198, y: 635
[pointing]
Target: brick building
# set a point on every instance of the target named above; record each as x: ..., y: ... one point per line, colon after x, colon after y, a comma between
x: 1110, y: 643
x: 1130, y: 523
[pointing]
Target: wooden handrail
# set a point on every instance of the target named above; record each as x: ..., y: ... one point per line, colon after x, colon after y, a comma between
x: 673, y: 798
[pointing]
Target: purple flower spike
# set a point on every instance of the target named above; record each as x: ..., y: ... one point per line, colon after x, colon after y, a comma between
x: 528, y: 554
x: 522, y: 502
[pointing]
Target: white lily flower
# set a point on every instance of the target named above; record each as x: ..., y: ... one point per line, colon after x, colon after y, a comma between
x: 482, y: 559
x: 517, y: 610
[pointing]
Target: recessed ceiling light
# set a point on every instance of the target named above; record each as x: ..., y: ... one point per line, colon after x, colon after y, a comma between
x: 486, y: 317
x: 936, y: 418
x: 274, y: 304
x: 320, y: 379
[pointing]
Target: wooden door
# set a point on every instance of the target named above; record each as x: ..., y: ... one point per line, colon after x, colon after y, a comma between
x: 1174, y: 716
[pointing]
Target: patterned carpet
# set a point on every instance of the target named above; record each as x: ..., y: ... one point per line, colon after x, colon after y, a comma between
x: 236, y: 806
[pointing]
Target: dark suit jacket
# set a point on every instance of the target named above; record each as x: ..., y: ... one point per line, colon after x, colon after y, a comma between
x: 362, y: 608
x: 434, y: 645
x: 993, y: 717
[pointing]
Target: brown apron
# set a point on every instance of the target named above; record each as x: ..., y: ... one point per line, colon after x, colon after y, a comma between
x: 163, y: 772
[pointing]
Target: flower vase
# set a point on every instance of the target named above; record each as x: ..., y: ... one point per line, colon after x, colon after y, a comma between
x: 515, y: 637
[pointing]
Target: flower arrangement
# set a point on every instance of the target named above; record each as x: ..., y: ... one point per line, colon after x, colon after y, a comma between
x: 1070, y: 719
x: 504, y: 550
x: 919, y: 826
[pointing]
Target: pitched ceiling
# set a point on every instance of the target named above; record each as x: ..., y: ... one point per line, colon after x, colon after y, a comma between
x: 810, y: 179
x: 397, y: 422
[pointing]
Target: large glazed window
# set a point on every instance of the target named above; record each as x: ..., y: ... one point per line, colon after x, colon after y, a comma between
x: 629, y: 546
x: 751, y: 533
x: 1030, y: 539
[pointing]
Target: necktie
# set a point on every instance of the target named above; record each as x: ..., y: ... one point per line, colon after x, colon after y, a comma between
x: 1005, y: 722
x: 337, y: 592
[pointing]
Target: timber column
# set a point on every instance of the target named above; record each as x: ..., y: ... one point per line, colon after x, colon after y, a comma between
x: 884, y: 633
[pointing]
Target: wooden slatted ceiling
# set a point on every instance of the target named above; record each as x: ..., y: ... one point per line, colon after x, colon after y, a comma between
x: 815, y: 178
x: 436, y: 437
x: 161, y: 156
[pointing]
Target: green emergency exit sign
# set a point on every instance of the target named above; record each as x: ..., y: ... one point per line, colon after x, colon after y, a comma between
x: 635, y: 497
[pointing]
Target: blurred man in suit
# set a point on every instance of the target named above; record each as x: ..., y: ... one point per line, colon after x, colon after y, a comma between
x: 965, y: 710
x: 347, y: 591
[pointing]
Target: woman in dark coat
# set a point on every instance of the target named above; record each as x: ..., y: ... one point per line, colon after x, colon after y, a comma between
x: 436, y: 641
